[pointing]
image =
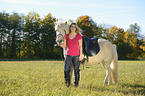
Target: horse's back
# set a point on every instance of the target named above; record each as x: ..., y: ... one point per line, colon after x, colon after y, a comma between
x: 105, y: 45
x: 106, y: 52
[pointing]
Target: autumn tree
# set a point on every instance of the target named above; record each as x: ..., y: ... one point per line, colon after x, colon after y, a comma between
x: 88, y: 26
x: 134, y: 37
x: 116, y: 36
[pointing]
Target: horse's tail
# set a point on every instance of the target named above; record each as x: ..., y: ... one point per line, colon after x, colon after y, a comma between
x: 114, y: 66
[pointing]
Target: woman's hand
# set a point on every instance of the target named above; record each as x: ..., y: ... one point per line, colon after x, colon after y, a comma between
x: 80, y: 58
x: 62, y: 45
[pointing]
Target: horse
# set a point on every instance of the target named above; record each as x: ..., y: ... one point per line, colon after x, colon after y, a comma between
x: 107, y: 55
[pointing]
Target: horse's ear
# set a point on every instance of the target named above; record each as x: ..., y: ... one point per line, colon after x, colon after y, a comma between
x: 65, y: 22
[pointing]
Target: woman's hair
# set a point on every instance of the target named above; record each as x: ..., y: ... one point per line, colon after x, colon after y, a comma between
x: 77, y: 28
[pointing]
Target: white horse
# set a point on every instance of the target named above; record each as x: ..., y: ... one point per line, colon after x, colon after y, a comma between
x: 107, y: 56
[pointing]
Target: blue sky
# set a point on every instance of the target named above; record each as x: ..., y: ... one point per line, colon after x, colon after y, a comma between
x: 120, y: 13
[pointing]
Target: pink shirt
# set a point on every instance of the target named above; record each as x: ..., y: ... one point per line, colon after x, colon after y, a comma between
x: 73, y: 45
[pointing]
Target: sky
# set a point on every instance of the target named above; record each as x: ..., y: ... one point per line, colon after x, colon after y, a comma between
x: 119, y: 13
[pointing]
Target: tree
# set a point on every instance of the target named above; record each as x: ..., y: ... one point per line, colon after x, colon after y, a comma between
x: 134, y: 37
x: 88, y: 26
x: 124, y: 51
x: 11, y: 28
x: 48, y: 36
x: 15, y: 26
x: 3, y: 31
x: 135, y: 29
x: 116, y: 36
x: 31, y: 35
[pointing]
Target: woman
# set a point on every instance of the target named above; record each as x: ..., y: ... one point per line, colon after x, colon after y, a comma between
x: 73, y: 44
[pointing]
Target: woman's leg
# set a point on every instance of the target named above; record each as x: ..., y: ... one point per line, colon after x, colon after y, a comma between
x: 76, y: 64
x: 67, y: 69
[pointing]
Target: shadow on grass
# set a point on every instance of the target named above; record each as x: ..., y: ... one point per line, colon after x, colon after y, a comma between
x: 126, y: 89
x: 135, y: 89
x: 134, y: 86
x: 6, y: 59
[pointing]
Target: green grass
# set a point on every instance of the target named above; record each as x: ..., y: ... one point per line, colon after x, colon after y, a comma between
x: 45, y: 78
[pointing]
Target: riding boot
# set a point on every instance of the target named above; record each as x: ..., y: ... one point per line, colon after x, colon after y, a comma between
x: 77, y: 77
x: 67, y: 78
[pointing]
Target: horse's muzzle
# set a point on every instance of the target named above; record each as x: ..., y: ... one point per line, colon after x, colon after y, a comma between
x: 59, y: 42
x: 56, y: 45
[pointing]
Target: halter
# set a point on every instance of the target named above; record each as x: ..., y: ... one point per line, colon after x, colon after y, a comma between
x: 62, y: 35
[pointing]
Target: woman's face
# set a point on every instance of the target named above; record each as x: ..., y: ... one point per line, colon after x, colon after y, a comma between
x: 73, y: 28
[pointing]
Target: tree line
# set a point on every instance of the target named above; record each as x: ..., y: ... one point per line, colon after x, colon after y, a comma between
x: 33, y: 37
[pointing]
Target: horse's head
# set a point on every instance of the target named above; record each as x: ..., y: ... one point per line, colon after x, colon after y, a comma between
x: 61, y: 29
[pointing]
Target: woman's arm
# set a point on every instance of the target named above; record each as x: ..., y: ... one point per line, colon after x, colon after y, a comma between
x: 63, y: 45
x: 80, y: 49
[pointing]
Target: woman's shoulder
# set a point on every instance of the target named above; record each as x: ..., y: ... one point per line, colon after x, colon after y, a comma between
x: 67, y: 35
x: 79, y: 36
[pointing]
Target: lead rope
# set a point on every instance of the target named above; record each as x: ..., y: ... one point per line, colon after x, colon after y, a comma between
x: 83, y: 62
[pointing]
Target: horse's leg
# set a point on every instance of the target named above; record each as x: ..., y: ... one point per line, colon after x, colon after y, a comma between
x: 109, y: 75
x: 108, y: 79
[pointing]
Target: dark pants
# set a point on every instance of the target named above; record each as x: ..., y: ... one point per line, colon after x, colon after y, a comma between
x: 69, y: 61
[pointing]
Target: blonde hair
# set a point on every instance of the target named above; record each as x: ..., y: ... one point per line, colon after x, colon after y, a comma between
x: 77, y: 28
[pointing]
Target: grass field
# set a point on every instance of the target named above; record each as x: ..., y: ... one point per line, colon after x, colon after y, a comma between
x: 45, y: 78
